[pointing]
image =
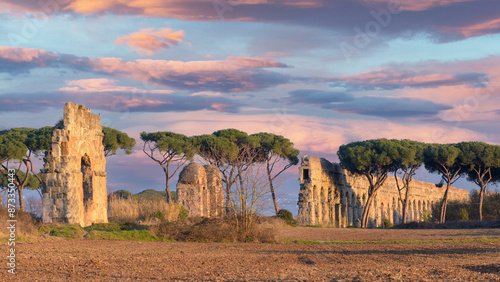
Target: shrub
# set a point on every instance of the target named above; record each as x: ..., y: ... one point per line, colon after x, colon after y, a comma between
x: 426, y: 216
x: 463, y: 215
x: 387, y: 223
x: 287, y: 216
x: 183, y: 213
x: 213, y: 230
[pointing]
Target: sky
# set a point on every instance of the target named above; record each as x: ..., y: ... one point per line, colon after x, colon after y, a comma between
x: 320, y: 73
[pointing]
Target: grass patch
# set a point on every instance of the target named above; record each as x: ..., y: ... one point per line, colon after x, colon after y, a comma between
x: 114, y: 226
x: 65, y: 231
x: 315, y: 242
x: 126, y: 235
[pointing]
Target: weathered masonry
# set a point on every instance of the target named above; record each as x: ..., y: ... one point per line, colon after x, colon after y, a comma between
x: 74, y: 170
x: 331, y: 197
x: 199, y: 190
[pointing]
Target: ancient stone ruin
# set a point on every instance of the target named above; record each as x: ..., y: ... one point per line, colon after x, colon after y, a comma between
x: 329, y: 196
x: 74, y: 170
x: 199, y: 190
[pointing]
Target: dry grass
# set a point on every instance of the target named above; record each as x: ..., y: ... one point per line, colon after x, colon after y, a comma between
x: 213, y: 230
x: 26, y: 225
x: 141, y: 210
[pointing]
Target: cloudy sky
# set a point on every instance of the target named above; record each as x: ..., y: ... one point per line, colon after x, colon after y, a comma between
x: 321, y: 73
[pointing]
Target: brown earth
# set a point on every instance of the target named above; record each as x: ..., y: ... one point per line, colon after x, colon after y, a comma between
x: 72, y: 260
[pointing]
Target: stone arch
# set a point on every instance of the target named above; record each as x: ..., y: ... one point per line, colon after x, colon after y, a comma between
x: 331, y: 205
x: 394, y: 211
x: 419, y: 211
x: 87, y: 188
x: 316, y: 200
x: 324, y: 206
x: 352, y: 211
x: 415, y: 211
x: 389, y: 212
x: 400, y: 212
x: 409, y: 213
x: 382, y: 213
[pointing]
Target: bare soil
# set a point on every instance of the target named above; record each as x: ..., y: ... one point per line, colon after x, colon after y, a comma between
x: 73, y: 260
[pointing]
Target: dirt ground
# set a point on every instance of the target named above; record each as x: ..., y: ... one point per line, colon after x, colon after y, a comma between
x: 80, y: 260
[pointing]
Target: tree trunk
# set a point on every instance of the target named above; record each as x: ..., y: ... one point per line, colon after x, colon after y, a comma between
x: 167, y: 189
x: 271, y: 187
x: 444, y: 204
x: 405, y: 209
x: 21, y: 200
x: 366, y: 211
x: 481, y: 197
x: 405, y: 203
x: 167, y: 183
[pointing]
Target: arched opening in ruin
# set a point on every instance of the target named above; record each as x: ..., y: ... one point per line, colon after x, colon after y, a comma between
x: 305, y: 174
x: 88, y: 192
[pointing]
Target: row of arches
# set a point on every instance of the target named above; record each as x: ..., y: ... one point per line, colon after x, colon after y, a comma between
x: 342, y: 208
x: 393, y: 210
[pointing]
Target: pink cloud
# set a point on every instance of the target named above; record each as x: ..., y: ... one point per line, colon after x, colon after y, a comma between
x: 231, y: 75
x: 399, y: 77
x: 149, y: 41
x: 104, y: 85
x: 435, y: 17
x: 473, y: 30
x: 412, y: 5
x: 20, y: 55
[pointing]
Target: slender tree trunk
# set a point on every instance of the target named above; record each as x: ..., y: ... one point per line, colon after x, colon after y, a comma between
x: 481, y: 197
x: 167, y: 184
x: 405, y: 203
x: 21, y: 199
x: 444, y: 204
x: 271, y: 187
x: 167, y: 189
x: 405, y: 209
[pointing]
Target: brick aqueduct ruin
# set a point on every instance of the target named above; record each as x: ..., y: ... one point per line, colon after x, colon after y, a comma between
x: 75, y: 184
x: 74, y: 170
x: 331, y: 197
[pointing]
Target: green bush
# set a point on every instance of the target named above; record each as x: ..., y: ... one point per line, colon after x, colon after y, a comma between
x: 159, y: 215
x: 387, y: 223
x: 463, y: 215
x: 183, y: 214
x: 287, y: 216
x: 426, y: 216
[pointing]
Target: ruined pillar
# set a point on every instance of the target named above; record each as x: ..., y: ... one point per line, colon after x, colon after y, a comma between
x: 216, y: 195
x: 74, y: 170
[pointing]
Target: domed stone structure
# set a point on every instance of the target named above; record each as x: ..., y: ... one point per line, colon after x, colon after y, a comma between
x: 199, y: 190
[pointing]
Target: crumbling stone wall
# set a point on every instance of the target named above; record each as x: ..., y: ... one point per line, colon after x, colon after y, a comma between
x: 199, y: 190
x: 214, y: 185
x: 74, y: 170
x: 329, y: 196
